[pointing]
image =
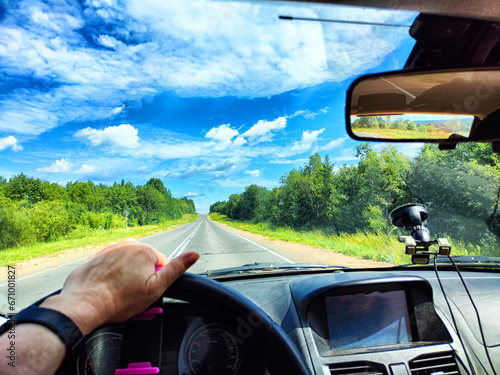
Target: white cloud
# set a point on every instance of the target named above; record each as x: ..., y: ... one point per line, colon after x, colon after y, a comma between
x: 346, y: 155
x: 56, y: 21
x: 124, y: 135
x: 32, y: 112
x: 11, y: 142
x: 220, y: 155
x: 239, y: 141
x: 100, y: 167
x: 108, y: 41
x: 241, y: 183
x: 219, y: 144
x: 213, y: 50
x: 346, y: 46
x: 336, y: 143
x: 254, y: 173
x: 223, y: 134
x: 40, y: 17
x: 297, y: 113
x: 308, y: 140
x: 288, y: 161
x: 411, y: 150
x: 86, y: 169
x: 263, y: 130
x: 193, y: 195
x: 173, y: 149
x: 59, y: 166
x: 117, y: 110
x: 223, y: 168
x: 307, y: 114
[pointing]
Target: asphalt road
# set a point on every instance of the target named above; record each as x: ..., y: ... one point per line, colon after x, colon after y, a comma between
x: 217, y: 246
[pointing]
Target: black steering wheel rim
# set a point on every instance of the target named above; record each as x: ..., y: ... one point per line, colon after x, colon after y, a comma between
x: 201, y: 290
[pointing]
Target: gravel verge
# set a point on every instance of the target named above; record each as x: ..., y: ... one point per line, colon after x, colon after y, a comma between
x: 308, y: 254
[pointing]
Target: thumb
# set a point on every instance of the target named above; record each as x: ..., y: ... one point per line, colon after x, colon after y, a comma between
x: 176, y: 267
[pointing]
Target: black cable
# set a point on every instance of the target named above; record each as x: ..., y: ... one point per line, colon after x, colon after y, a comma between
x: 291, y: 18
x: 452, y: 316
x: 477, y: 315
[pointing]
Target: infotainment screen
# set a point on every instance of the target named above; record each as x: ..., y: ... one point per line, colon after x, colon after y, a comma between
x: 368, y: 319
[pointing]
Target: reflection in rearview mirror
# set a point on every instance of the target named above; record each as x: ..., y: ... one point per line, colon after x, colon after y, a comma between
x: 459, y: 105
x: 412, y: 126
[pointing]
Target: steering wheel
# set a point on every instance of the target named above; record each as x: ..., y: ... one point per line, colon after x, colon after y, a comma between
x: 285, y: 357
x: 204, y: 291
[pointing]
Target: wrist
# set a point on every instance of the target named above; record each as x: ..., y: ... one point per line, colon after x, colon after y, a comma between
x: 83, y: 315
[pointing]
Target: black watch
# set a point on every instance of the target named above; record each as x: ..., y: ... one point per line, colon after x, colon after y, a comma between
x: 54, y: 320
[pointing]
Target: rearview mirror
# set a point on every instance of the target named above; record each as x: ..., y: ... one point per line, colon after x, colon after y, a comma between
x: 459, y: 105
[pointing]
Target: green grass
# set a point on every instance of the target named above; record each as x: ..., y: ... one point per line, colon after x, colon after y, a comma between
x: 381, y: 248
x: 85, y: 237
x: 403, y: 134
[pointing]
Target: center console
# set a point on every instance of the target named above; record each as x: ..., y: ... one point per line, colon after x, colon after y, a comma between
x: 365, y: 323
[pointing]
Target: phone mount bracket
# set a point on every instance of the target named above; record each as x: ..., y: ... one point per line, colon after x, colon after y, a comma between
x: 413, y: 217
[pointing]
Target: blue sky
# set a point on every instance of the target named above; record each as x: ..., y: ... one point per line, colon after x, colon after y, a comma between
x: 208, y: 96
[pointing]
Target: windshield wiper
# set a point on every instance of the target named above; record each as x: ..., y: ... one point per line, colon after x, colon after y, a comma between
x: 261, y: 267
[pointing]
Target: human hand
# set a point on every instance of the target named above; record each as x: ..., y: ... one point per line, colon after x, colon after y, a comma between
x: 117, y: 283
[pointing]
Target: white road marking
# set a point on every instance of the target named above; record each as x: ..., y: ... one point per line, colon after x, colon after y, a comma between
x: 73, y: 261
x: 176, y: 252
x: 48, y: 269
x: 258, y: 245
x: 179, y: 249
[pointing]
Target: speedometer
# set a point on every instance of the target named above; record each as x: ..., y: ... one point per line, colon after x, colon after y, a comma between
x: 101, y: 355
x: 212, y: 350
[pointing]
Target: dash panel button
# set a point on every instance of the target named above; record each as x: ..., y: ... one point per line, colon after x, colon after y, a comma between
x: 399, y: 369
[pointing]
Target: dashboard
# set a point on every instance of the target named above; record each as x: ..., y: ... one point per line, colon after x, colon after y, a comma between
x: 345, y: 322
x: 208, y: 343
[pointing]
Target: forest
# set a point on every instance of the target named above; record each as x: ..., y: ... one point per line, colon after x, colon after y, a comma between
x: 32, y: 210
x: 459, y: 187
x: 454, y: 125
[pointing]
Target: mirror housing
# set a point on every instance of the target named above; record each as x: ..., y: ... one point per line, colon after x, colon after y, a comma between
x: 444, y: 106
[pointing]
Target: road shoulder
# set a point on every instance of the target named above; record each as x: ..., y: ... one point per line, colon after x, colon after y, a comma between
x: 306, y: 253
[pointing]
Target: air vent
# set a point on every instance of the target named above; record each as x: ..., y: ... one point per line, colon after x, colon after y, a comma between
x: 352, y: 368
x: 435, y: 363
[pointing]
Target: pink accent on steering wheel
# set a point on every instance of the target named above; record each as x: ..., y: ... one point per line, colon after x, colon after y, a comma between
x: 138, y: 368
x: 148, y: 314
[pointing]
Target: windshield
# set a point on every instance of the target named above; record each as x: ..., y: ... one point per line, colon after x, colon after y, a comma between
x: 137, y: 118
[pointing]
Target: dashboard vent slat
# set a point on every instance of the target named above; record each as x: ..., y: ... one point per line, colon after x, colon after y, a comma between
x: 354, y: 368
x: 435, y: 363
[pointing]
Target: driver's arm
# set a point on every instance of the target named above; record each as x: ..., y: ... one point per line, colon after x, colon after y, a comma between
x: 117, y: 283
